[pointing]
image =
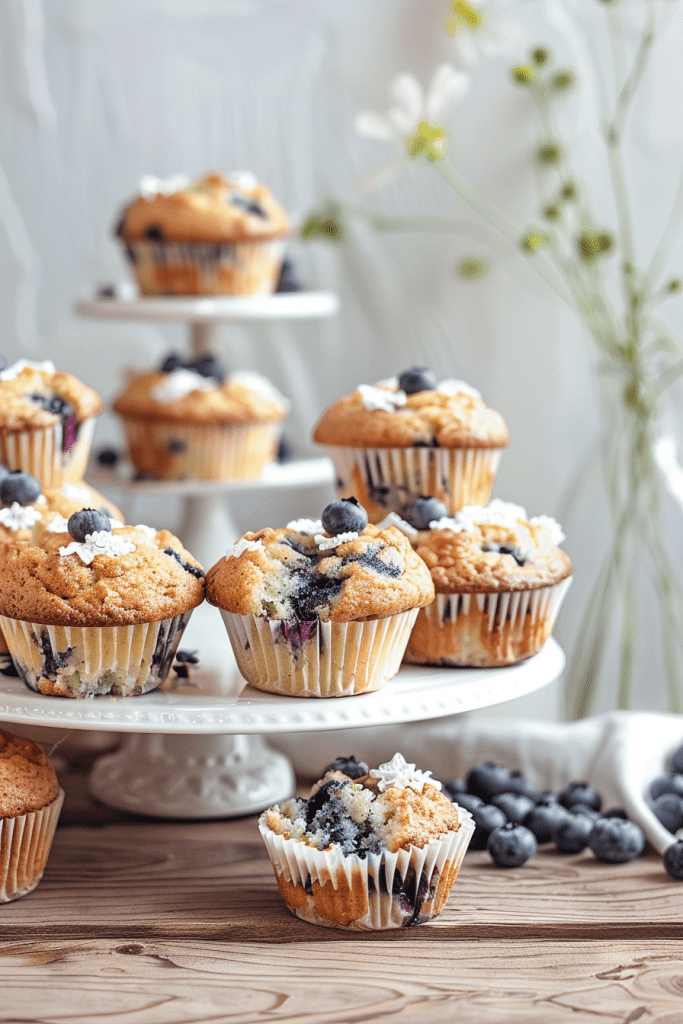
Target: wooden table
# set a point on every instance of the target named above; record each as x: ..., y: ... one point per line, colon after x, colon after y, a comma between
x: 146, y: 922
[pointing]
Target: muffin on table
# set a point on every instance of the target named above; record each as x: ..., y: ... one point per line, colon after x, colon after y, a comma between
x: 191, y: 420
x: 413, y: 435
x: 30, y: 802
x: 320, y: 608
x: 214, y: 235
x: 369, y: 850
x: 499, y: 577
x: 46, y: 421
x: 98, y: 609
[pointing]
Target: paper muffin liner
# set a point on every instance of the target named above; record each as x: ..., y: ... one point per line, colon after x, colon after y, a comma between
x: 485, y: 630
x: 25, y: 843
x: 41, y: 452
x: 318, y: 659
x: 377, y: 892
x: 84, y: 661
x: 206, y: 268
x: 176, y: 451
x: 385, y: 479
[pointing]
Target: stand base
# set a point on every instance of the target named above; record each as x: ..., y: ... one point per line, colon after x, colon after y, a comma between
x: 192, y: 777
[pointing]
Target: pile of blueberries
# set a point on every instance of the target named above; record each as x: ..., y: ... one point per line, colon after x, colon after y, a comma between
x: 511, y: 818
x: 664, y: 796
x: 205, y: 366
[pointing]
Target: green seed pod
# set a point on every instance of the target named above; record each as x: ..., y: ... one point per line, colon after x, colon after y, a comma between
x: 540, y: 55
x: 523, y: 74
x: 569, y: 190
x: 562, y: 81
x: 551, y: 212
x: 549, y: 153
x: 592, y: 244
x: 534, y: 240
x: 473, y: 267
x: 674, y: 285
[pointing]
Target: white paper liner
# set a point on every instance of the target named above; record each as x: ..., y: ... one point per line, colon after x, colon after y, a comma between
x: 369, y: 881
x: 207, y: 268
x: 25, y: 843
x: 385, y: 479
x: 337, y: 659
x: 83, y: 661
x: 39, y: 451
x: 208, y: 452
x: 486, y: 629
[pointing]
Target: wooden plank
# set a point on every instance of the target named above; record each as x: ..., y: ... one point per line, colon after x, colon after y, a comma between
x: 213, y: 880
x: 412, y: 981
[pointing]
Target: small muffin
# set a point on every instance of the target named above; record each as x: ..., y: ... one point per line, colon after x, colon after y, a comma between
x: 215, y: 235
x: 410, y: 436
x: 46, y: 422
x: 26, y: 509
x: 30, y: 802
x: 499, y: 579
x: 320, y: 609
x: 190, y: 420
x: 97, y: 609
x: 369, y: 850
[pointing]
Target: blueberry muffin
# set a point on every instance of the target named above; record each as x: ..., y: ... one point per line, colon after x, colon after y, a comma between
x: 30, y: 802
x: 46, y: 421
x: 26, y: 509
x: 413, y: 435
x: 98, y: 609
x: 369, y: 850
x: 215, y: 235
x: 190, y: 420
x: 499, y: 578
x: 320, y: 608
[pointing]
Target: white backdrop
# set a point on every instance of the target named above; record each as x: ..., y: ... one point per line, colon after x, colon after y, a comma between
x: 94, y: 94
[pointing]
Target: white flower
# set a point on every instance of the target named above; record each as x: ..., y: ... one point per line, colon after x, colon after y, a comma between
x: 380, y: 399
x: 19, y: 517
x: 101, y: 542
x: 399, y: 773
x: 471, y: 28
x: 243, y: 545
x: 326, y: 543
x: 151, y: 186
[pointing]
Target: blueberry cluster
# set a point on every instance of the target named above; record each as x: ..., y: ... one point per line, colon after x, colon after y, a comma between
x: 326, y: 814
x: 205, y: 366
x: 54, y: 404
x: 511, y: 818
x: 18, y: 486
x: 665, y: 798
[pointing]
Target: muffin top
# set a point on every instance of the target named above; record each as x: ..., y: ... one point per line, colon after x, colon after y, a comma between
x: 25, y: 512
x: 412, y: 410
x: 303, y: 572
x: 212, y: 208
x: 481, y: 550
x: 199, y: 392
x: 38, y: 395
x: 96, y: 575
x: 388, y: 808
x: 27, y: 779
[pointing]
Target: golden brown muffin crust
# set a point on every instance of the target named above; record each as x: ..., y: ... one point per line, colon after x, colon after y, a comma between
x: 18, y: 412
x: 27, y: 779
x: 231, y: 403
x: 428, y: 418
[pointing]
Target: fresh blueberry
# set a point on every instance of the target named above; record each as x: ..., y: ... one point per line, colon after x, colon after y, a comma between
x: 665, y: 784
x: 668, y: 809
x: 468, y: 801
x: 518, y: 784
x: 486, y: 819
x: 454, y: 789
x: 173, y: 361
x: 188, y: 657
x: 18, y: 486
x: 288, y: 281
x: 417, y: 378
x: 544, y: 818
x: 677, y: 760
x: 155, y: 233
x: 571, y: 835
x: 616, y: 841
x: 423, y: 511
x: 515, y: 806
x: 586, y: 810
x: 248, y: 204
x: 285, y: 451
x: 672, y: 858
x: 108, y: 456
x: 511, y: 845
x: 350, y: 766
x: 87, y: 521
x: 580, y: 793
x: 176, y: 446
x: 616, y: 812
x: 488, y: 779
x: 208, y: 366
x: 344, y: 516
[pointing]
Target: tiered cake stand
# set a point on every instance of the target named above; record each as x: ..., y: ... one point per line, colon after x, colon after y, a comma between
x: 195, y: 748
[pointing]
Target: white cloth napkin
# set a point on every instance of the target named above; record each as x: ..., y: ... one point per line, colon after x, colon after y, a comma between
x: 619, y: 753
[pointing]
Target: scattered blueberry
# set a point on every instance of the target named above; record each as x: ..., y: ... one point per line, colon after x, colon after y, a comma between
x: 155, y: 233
x: 288, y: 281
x: 192, y: 569
x: 616, y: 812
x: 677, y: 760
x: 586, y: 810
x: 544, y: 818
x: 580, y: 793
x: 668, y: 809
x: 486, y: 819
x: 208, y: 366
x: 285, y: 450
x: 18, y: 486
x: 176, y: 446
x: 454, y: 789
x: 511, y: 845
x: 672, y: 858
x: 665, y: 784
x: 423, y: 511
x: 488, y: 779
x: 188, y: 657
x: 248, y: 204
x: 571, y: 835
x: 350, y: 766
x: 173, y: 361
x: 515, y: 806
x: 417, y: 378
x: 344, y: 516
x: 7, y: 667
x: 108, y: 455
x: 467, y: 800
x: 616, y: 841
x: 87, y: 521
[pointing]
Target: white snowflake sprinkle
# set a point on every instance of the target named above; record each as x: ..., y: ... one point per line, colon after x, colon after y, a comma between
x: 379, y: 398
x: 19, y: 517
x: 101, y: 542
x: 399, y: 774
x: 325, y: 543
x: 243, y: 545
